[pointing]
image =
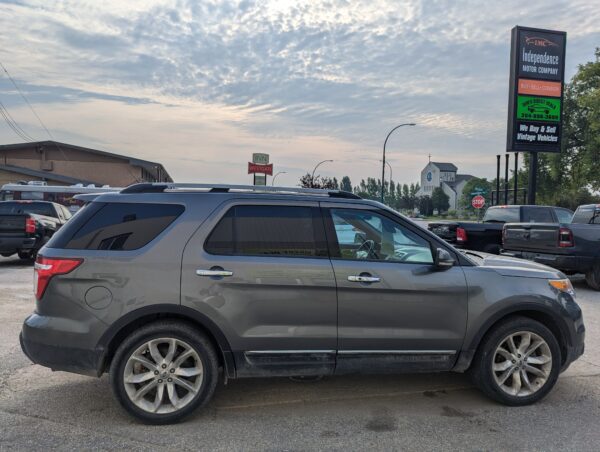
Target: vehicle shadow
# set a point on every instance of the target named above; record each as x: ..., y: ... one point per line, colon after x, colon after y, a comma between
x: 14, y: 261
x: 78, y: 400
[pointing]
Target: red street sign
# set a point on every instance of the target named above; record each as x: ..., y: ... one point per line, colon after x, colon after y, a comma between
x: 478, y: 202
x: 261, y: 169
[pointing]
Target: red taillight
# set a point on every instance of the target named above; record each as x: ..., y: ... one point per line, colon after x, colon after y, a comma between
x: 565, y: 238
x: 45, y: 268
x: 30, y: 226
x: 461, y: 235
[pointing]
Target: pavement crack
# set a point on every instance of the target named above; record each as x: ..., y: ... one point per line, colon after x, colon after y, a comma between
x: 95, y: 432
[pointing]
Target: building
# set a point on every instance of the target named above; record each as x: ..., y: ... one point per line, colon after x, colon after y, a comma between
x: 66, y: 164
x: 439, y: 174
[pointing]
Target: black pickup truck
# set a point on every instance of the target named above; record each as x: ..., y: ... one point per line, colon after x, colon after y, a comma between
x: 487, y: 235
x: 571, y: 248
x: 25, y: 226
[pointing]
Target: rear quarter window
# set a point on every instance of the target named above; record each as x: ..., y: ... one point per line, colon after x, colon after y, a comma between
x: 116, y: 226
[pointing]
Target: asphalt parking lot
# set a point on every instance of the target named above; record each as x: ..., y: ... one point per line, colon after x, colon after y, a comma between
x: 41, y: 409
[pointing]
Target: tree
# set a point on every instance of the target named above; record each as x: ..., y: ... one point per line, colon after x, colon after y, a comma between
x: 307, y: 181
x: 440, y: 200
x: 346, y: 185
x: 473, y: 185
x: 425, y: 205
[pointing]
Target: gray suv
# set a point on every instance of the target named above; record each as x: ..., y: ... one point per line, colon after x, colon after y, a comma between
x: 170, y: 287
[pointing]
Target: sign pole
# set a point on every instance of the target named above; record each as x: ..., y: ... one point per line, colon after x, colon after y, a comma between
x: 506, y: 181
x: 497, y: 180
x: 533, y: 169
x: 516, y: 176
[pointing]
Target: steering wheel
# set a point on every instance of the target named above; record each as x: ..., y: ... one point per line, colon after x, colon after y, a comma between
x: 402, y: 255
x: 369, y: 247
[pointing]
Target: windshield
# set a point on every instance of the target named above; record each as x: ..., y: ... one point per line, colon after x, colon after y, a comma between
x: 502, y: 215
x: 16, y: 208
x: 587, y: 214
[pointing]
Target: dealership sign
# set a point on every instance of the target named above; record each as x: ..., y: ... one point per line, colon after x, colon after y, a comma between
x: 536, y: 90
x: 262, y: 169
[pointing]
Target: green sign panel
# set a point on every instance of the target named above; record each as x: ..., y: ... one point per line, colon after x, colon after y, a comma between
x: 538, y: 108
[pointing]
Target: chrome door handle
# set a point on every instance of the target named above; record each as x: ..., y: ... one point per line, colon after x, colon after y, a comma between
x: 360, y: 278
x: 215, y: 272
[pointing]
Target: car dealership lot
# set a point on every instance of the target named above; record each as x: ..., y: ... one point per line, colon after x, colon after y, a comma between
x: 41, y: 409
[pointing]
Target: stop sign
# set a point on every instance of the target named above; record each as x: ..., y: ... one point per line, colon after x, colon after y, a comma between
x: 478, y: 202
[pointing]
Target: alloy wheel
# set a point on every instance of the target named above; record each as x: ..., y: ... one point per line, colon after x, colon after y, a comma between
x: 163, y: 375
x: 522, y: 363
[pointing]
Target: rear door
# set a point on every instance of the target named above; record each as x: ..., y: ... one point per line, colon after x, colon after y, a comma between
x: 395, y: 311
x: 261, y: 271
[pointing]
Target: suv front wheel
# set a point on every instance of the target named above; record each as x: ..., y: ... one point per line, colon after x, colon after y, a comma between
x: 518, y: 362
x: 164, y: 371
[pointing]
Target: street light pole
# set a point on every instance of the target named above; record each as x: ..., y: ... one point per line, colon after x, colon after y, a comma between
x: 390, y: 167
x: 312, y: 177
x: 383, y: 165
x: 274, y: 177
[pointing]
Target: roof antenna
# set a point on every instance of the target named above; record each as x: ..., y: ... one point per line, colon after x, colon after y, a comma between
x: 429, y: 158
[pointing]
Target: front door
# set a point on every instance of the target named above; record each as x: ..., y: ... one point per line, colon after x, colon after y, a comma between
x: 396, y: 311
x: 261, y: 271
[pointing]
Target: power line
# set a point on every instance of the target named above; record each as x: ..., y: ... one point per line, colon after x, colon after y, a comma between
x: 26, y: 101
x: 34, y: 112
x: 13, y: 124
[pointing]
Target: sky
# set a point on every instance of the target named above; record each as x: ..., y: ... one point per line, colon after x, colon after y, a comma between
x: 200, y: 85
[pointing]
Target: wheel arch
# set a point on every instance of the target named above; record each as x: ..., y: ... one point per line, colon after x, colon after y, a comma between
x: 119, y: 330
x: 534, y: 311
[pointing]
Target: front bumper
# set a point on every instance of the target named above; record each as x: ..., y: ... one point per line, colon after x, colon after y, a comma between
x: 43, y: 343
x: 564, y: 263
x: 14, y: 244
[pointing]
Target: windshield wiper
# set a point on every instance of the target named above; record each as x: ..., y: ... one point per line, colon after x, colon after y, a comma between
x: 471, y: 253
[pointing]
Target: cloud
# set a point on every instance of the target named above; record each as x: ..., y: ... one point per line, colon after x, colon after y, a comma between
x: 301, y: 79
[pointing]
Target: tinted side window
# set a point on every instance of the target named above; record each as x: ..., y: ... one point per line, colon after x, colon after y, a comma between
x: 537, y: 215
x: 123, y: 226
x: 269, y: 231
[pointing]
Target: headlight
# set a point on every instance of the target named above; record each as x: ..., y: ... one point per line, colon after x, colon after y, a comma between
x: 563, y: 285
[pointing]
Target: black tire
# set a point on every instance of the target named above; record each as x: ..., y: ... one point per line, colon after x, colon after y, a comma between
x: 26, y: 255
x: 481, y: 368
x: 592, y: 277
x: 166, y: 329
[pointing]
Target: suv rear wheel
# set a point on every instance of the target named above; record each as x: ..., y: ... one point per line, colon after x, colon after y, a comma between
x: 164, y: 371
x: 517, y: 362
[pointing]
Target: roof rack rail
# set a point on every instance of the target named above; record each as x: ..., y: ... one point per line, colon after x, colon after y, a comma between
x: 160, y: 187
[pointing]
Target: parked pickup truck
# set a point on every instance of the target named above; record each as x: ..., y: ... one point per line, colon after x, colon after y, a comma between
x: 487, y: 236
x: 571, y: 248
x: 25, y: 226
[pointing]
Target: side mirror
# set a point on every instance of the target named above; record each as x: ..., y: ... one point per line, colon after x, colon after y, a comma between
x: 443, y: 259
